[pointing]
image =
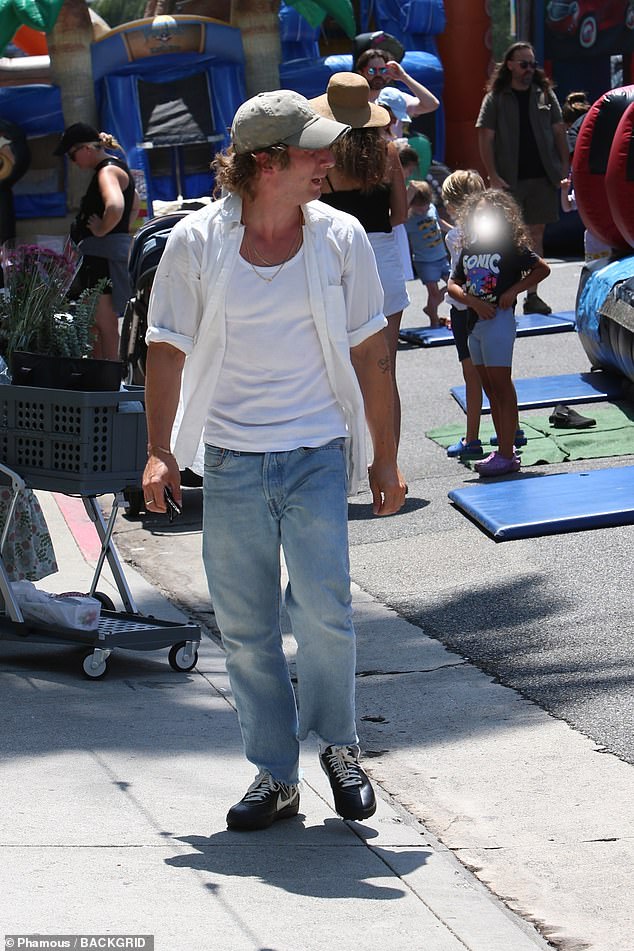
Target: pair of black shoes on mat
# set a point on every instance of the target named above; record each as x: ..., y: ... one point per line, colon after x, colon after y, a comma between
x: 562, y: 417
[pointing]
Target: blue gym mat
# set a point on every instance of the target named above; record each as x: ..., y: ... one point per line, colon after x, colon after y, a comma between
x: 570, y: 388
x: 528, y: 325
x: 546, y: 505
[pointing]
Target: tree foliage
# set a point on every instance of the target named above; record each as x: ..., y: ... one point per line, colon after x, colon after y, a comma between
x: 501, y: 27
x: 116, y: 12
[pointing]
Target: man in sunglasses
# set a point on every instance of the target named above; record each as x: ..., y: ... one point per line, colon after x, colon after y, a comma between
x: 522, y: 139
x: 380, y: 70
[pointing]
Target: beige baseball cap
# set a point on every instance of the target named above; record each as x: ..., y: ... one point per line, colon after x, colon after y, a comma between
x: 282, y: 116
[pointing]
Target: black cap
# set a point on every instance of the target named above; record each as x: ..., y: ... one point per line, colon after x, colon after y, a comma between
x: 377, y: 41
x: 79, y: 133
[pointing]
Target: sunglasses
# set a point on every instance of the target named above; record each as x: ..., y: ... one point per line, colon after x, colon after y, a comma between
x: 377, y: 70
x: 526, y: 63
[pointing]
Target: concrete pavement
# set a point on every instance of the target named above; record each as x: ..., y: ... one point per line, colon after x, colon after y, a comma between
x: 538, y: 810
x: 114, y: 795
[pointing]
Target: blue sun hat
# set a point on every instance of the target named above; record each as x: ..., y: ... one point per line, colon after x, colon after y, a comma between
x: 394, y: 100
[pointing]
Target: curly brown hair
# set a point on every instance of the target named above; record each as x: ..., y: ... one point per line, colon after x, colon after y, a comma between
x: 239, y: 172
x: 505, y: 205
x: 361, y: 154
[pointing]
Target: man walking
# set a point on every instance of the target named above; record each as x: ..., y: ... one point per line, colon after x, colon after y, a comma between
x: 268, y: 305
x: 522, y: 140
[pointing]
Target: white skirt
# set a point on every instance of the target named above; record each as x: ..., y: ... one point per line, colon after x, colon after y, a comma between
x: 389, y: 263
x: 406, y: 254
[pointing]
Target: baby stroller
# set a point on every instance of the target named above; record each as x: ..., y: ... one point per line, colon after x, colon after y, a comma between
x: 147, y: 247
x: 145, y: 254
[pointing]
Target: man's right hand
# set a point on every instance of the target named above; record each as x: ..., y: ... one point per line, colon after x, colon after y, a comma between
x: 161, y: 472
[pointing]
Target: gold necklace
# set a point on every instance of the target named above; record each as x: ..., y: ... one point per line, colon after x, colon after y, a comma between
x: 297, y: 240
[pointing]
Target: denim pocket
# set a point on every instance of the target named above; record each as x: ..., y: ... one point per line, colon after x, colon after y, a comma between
x: 334, y: 444
x: 215, y: 457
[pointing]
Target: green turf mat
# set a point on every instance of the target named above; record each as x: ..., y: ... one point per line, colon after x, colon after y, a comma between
x: 613, y: 435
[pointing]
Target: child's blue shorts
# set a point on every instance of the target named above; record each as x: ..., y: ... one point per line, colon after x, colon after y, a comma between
x: 491, y: 341
x: 430, y: 271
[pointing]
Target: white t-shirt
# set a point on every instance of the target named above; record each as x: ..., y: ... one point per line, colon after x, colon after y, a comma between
x: 273, y: 393
x: 453, y: 240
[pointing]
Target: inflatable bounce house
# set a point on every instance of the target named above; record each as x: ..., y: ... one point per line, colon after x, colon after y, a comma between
x: 414, y: 24
x: 167, y: 88
x: 586, y: 46
x: 603, y: 176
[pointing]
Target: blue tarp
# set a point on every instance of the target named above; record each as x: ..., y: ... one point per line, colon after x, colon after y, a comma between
x: 37, y: 109
x: 594, y: 293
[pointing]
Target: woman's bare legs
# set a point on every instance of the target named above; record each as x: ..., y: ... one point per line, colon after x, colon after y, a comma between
x: 106, y: 345
x: 391, y: 332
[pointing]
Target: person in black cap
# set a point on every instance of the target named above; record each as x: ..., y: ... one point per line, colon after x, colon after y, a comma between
x: 101, y: 228
x: 380, y: 69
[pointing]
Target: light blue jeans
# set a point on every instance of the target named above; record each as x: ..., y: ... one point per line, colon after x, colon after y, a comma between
x: 255, y: 504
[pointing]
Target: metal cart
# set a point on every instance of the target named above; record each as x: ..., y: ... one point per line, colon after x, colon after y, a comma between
x: 85, y: 444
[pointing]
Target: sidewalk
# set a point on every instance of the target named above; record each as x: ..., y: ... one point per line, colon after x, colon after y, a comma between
x: 115, y: 795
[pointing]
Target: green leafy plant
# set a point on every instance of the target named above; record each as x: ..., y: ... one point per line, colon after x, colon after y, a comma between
x: 36, y: 314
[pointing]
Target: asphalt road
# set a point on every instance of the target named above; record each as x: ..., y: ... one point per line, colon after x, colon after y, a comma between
x: 550, y: 616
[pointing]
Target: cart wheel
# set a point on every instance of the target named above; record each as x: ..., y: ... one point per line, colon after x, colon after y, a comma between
x: 93, y: 668
x: 105, y: 601
x: 183, y: 656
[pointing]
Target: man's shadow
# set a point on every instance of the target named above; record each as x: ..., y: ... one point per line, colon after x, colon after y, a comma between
x: 328, y: 861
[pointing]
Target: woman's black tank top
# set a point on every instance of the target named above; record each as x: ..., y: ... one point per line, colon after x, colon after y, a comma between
x: 92, y: 202
x: 371, y: 208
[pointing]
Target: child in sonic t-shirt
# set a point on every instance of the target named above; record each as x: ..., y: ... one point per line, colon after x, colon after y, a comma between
x: 495, y: 265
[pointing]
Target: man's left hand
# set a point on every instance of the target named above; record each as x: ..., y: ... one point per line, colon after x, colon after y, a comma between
x: 395, y: 70
x: 388, y: 488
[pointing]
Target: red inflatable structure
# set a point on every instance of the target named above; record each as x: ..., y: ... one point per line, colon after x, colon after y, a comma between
x: 619, y: 176
x: 600, y: 133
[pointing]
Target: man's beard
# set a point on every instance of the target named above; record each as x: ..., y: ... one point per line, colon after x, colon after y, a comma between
x: 377, y: 82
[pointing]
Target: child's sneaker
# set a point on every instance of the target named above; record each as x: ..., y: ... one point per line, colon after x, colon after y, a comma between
x: 520, y: 439
x: 465, y: 449
x: 497, y: 465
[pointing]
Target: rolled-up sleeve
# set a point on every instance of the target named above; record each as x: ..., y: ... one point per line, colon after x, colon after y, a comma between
x: 362, y: 289
x: 176, y: 304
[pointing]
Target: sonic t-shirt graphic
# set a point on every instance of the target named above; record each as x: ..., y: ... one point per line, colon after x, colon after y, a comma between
x: 486, y: 274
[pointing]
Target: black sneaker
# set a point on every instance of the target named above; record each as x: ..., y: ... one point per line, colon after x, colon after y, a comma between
x: 535, y: 305
x: 354, y: 796
x: 265, y: 801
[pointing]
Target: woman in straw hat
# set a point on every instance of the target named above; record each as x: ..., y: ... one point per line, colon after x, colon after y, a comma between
x: 367, y: 181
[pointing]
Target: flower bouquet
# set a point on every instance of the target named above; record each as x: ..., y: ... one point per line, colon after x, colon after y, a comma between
x: 35, y: 312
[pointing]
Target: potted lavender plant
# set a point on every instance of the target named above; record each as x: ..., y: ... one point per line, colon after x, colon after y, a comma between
x: 46, y: 338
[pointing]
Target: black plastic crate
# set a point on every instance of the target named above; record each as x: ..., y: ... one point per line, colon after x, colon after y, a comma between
x: 77, y: 442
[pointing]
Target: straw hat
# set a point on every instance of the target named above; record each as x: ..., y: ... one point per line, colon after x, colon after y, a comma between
x: 346, y: 100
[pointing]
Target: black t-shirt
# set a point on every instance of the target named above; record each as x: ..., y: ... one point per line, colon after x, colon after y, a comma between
x: 529, y: 164
x: 487, y: 273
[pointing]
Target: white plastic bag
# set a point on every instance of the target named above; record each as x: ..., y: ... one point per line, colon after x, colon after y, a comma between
x: 80, y: 613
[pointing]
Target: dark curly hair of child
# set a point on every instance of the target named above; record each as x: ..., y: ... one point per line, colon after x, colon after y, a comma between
x: 503, y: 207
